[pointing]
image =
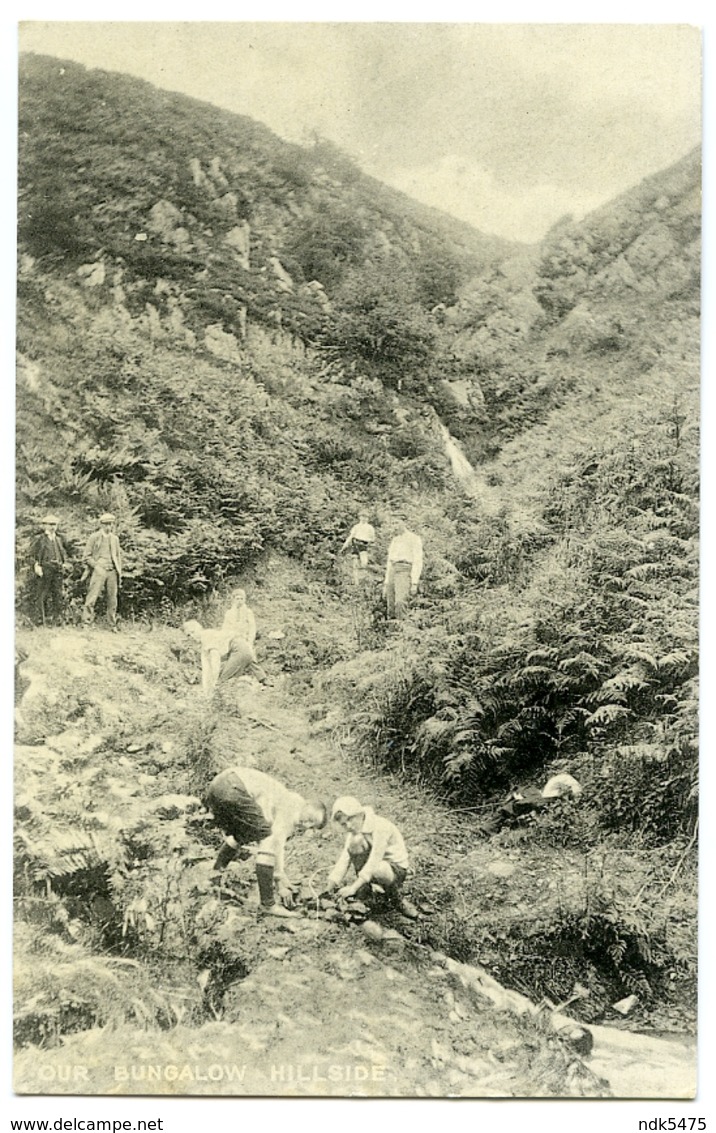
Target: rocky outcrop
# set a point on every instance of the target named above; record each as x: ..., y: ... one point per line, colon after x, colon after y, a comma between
x: 165, y: 221
x: 284, y: 282
x: 238, y: 238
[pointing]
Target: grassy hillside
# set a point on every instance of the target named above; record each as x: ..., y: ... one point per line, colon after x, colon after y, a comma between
x: 234, y: 343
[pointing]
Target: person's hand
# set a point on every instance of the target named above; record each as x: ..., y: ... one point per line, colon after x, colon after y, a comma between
x: 347, y: 891
x: 38, y: 570
x: 287, y: 893
x: 413, y: 588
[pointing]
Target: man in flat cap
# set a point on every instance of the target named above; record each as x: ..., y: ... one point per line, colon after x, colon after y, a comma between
x: 50, y: 562
x: 103, y: 556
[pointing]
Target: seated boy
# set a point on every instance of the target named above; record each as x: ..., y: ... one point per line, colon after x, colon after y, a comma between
x: 376, y: 850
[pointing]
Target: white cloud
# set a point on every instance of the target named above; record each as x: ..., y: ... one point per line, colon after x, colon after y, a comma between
x: 473, y: 193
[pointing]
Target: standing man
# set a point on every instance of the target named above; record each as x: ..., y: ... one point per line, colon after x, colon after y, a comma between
x: 50, y: 561
x: 361, y: 538
x: 103, y: 556
x: 403, y: 569
x: 251, y: 806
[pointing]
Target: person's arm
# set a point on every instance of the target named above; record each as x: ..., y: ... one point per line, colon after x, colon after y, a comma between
x: 349, y: 540
x: 381, y: 837
x: 417, y: 565
x: 340, y: 869
x: 89, y: 551
x: 388, y: 565
x: 281, y: 830
x: 65, y: 554
x: 37, y: 557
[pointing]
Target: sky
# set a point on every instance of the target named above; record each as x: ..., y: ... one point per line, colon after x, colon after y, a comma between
x: 507, y: 126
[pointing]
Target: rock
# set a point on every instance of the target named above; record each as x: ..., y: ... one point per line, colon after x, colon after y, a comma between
x: 501, y: 868
x: 92, y: 275
x: 624, y: 1006
x: 221, y: 344
x: 71, y: 742
x: 372, y: 930
x: 238, y: 238
x: 284, y: 281
x: 578, y: 1037
x: 393, y: 936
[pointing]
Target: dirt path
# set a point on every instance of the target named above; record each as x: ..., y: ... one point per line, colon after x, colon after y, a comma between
x: 323, y: 1010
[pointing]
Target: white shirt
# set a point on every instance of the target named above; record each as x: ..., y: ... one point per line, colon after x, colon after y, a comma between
x: 280, y: 807
x: 365, y: 532
x: 560, y: 785
x: 239, y: 621
x: 406, y: 548
x: 386, y: 845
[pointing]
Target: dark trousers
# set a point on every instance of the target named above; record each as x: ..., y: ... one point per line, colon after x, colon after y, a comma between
x: 50, y: 598
x: 359, y: 860
x: 241, y: 662
x: 398, y: 588
x: 235, y: 810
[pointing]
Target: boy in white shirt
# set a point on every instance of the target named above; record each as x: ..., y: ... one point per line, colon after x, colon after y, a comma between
x: 375, y: 848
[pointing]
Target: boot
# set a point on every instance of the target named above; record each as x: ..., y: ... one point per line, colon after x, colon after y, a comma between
x: 408, y: 909
x: 405, y: 907
x: 277, y: 911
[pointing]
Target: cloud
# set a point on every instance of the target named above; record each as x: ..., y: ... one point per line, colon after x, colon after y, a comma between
x: 507, y: 125
x: 475, y: 194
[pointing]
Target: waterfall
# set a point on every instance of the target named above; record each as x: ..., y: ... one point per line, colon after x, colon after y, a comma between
x: 471, y: 482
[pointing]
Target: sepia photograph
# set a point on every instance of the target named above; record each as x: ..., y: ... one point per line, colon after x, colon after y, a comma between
x: 356, y: 560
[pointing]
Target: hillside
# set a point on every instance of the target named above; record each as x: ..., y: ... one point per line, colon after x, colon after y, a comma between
x: 149, y: 981
x: 234, y: 344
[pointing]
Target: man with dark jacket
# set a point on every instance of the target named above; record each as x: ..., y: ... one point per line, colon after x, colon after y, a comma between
x: 103, y: 556
x: 50, y: 561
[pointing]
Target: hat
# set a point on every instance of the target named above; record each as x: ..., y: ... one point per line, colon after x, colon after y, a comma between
x: 347, y: 806
x: 106, y: 517
x: 50, y: 519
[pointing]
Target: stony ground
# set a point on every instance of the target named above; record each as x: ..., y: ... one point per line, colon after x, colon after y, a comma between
x: 326, y: 1007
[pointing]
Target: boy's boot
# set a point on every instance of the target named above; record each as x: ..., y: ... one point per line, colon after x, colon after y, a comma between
x: 401, y: 903
x: 268, y: 906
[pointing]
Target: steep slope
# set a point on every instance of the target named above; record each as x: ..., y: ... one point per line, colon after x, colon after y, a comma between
x: 136, y: 976
x: 234, y: 343
x: 213, y: 326
x: 607, y: 309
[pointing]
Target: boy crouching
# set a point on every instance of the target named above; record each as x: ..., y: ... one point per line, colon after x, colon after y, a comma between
x: 376, y: 850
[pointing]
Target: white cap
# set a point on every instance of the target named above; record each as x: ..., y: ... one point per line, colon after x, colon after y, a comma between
x: 347, y: 806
